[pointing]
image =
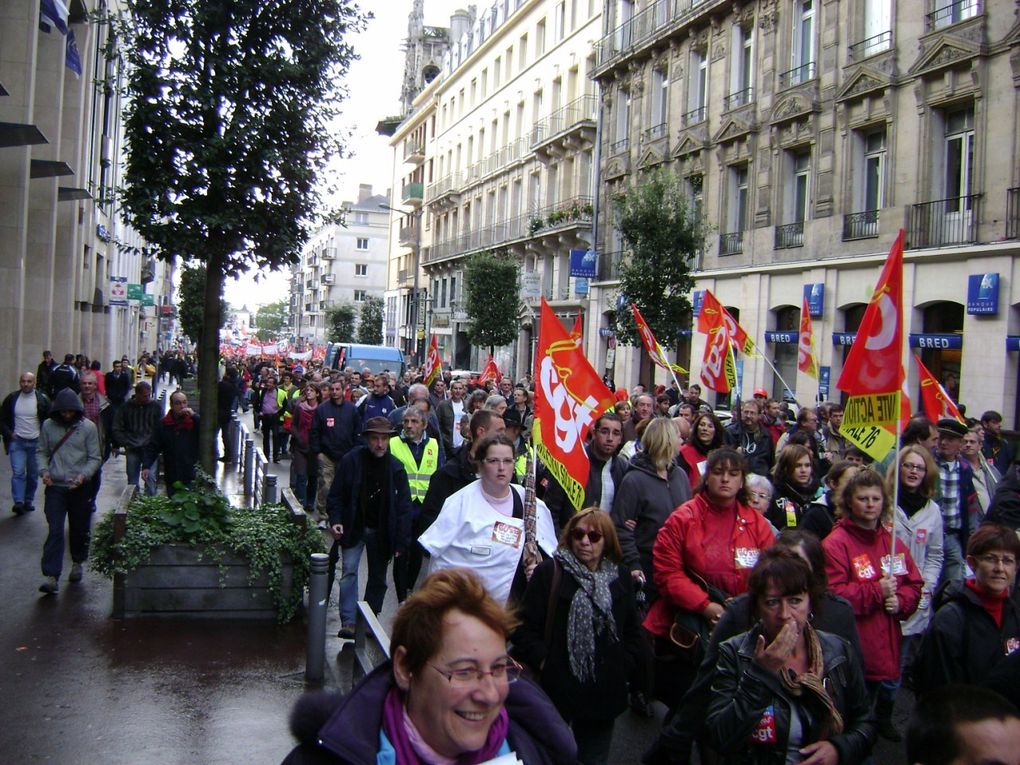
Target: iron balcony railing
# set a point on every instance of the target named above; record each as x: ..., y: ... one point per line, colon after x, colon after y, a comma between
x: 659, y: 16
x: 732, y: 243
x: 446, y: 185
x: 952, y: 13
x: 738, y: 99
x: 871, y: 46
x: 797, y: 75
x: 944, y: 222
x: 789, y: 235
x: 579, y: 111
x: 499, y: 160
x: 1013, y: 213
x: 412, y: 193
x: 618, y: 147
x: 412, y: 149
x: 656, y: 131
x: 860, y: 225
x: 694, y: 116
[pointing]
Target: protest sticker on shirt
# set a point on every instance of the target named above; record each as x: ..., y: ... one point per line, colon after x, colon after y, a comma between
x: 329, y: 422
x: 765, y: 733
x: 746, y: 557
x: 921, y: 537
x: 899, y: 565
x: 863, y: 568
x: 1011, y: 645
x: 506, y: 534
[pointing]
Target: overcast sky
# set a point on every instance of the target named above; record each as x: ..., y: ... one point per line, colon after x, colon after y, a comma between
x: 374, y: 92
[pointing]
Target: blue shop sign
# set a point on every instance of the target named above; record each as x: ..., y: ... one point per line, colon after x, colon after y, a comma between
x: 952, y: 342
x: 815, y: 294
x: 698, y: 301
x: 843, y: 338
x: 581, y: 286
x: 771, y: 336
x: 824, y: 375
x: 607, y: 332
x: 983, y: 294
x: 582, y: 263
x: 1013, y: 342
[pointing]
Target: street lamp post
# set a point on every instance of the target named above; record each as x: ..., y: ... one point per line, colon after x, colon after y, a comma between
x: 415, y: 295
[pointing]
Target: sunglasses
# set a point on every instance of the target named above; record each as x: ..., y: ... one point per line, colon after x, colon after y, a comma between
x: 593, y: 536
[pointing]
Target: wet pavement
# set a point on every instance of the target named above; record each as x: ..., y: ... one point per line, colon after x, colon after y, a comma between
x: 81, y: 687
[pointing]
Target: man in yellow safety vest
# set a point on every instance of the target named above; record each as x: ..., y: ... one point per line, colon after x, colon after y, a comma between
x: 421, y: 457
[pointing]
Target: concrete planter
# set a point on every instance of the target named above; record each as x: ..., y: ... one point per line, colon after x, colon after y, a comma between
x: 192, y: 582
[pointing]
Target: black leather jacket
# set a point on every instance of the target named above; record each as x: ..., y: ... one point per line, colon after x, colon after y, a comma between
x: 743, y: 690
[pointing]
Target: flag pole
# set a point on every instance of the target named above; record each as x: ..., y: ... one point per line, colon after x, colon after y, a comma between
x: 775, y: 371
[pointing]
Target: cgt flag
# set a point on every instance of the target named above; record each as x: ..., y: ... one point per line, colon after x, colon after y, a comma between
x: 718, y: 368
x: 491, y: 371
x: 936, y: 402
x: 806, y: 361
x: 578, y: 331
x: 569, y: 397
x: 713, y: 313
x: 873, y: 372
x: 652, y: 345
x: 433, y: 364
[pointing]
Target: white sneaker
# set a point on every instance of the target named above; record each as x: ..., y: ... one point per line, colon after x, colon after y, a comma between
x: 75, y: 575
x: 50, y: 586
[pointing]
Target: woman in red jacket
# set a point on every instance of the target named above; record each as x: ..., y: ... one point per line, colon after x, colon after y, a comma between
x: 857, y: 563
x: 695, y: 569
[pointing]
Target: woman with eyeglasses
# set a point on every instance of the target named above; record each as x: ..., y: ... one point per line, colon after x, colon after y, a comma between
x: 482, y: 526
x: 450, y: 693
x: 580, y: 631
x: 977, y: 623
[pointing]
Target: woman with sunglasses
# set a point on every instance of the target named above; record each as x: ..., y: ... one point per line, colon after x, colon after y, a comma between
x: 482, y: 527
x: 977, y: 623
x: 449, y: 694
x: 580, y: 631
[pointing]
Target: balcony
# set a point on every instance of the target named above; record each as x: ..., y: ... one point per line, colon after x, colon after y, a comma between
x: 694, y: 116
x: 405, y: 277
x: 445, y: 191
x: 412, y: 194
x: 1013, y: 213
x: 565, y: 131
x: 790, y: 235
x: 328, y: 254
x: 731, y: 244
x: 407, y: 236
x: 797, y: 75
x: 860, y: 225
x: 414, y: 151
x: 953, y: 13
x: 871, y: 46
x: 738, y: 99
x: 327, y: 279
x: 620, y: 147
x: 943, y: 222
x: 609, y: 266
x: 655, y: 132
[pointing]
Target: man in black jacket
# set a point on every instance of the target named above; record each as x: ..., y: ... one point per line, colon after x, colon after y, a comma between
x: 750, y: 439
x: 335, y: 431
x: 369, y: 509
x: 64, y: 376
x: 21, y: 416
x: 133, y: 427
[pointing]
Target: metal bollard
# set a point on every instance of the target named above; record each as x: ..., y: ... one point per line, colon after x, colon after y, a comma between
x: 270, y: 492
x: 315, y: 656
x: 249, y: 466
x: 234, y: 441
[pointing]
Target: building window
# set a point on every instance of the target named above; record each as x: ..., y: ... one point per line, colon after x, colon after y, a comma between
x: 803, y: 61
x: 540, y: 38
x: 522, y: 53
x: 497, y: 73
x: 560, y: 21
x: 874, y: 170
x: 959, y: 157
x: 800, y: 168
x: 660, y: 101
x: 952, y: 12
x: 697, y: 88
x: 877, y: 34
x: 441, y: 293
x: 695, y: 187
x: 742, y: 72
x: 738, y: 198
x: 362, y: 243
x: 361, y: 218
x: 360, y: 295
x: 869, y: 185
x: 622, y: 133
x: 361, y: 269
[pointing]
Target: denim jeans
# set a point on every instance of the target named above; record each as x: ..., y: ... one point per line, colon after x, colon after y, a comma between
x: 952, y: 566
x: 375, y: 590
x: 24, y: 472
x: 133, y: 458
x: 73, y: 505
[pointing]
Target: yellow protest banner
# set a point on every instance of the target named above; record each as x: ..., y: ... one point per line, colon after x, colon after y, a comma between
x: 869, y: 422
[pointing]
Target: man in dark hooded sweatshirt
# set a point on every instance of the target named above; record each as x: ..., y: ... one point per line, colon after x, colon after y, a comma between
x: 68, y: 457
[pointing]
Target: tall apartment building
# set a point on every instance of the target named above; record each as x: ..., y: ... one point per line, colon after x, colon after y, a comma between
x: 60, y: 140
x: 498, y: 153
x: 808, y: 133
x: 340, y: 264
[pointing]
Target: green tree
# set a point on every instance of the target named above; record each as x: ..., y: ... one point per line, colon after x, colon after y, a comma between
x: 370, y: 321
x: 340, y: 323
x: 272, y: 318
x: 662, y: 233
x: 191, y: 302
x: 491, y: 298
x: 228, y: 125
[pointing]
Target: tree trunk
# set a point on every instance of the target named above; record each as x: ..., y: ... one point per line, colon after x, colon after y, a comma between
x: 208, y: 362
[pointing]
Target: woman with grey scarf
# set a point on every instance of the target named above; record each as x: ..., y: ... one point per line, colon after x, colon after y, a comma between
x: 580, y: 633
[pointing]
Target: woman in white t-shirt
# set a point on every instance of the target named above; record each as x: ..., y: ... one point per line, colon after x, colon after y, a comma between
x: 481, y: 527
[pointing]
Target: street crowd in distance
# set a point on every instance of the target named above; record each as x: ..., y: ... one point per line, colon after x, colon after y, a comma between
x: 776, y: 590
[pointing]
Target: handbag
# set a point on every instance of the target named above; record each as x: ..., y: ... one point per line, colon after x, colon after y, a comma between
x: 690, y: 631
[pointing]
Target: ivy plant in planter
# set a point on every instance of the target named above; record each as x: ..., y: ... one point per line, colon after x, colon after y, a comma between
x: 202, y: 519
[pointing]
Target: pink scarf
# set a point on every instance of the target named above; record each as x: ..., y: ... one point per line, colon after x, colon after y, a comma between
x: 393, y: 726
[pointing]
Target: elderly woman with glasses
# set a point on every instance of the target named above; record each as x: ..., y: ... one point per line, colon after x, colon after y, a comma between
x: 482, y: 526
x: 451, y: 693
x: 580, y: 631
x: 977, y: 623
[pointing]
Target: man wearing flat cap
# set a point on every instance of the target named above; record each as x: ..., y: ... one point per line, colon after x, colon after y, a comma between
x: 369, y: 508
x: 957, y: 497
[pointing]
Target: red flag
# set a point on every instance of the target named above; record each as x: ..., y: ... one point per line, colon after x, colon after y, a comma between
x: 937, y: 403
x: 806, y: 362
x: 652, y: 345
x: 433, y: 364
x: 491, y: 371
x: 569, y: 397
x: 718, y: 368
x: 578, y: 331
x: 712, y: 312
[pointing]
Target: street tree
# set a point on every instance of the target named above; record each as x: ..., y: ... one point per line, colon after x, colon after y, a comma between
x: 229, y: 124
x: 370, y: 321
x: 340, y: 323
x: 662, y: 233
x: 272, y: 318
x: 491, y: 298
x: 191, y: 302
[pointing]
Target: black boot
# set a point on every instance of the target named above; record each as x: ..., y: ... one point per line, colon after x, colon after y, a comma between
x: 883, y: 719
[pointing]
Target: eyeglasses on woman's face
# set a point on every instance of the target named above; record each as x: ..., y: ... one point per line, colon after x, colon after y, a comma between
x: 504, y: 671
x: 593, y: 536
x: 910, y: 467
